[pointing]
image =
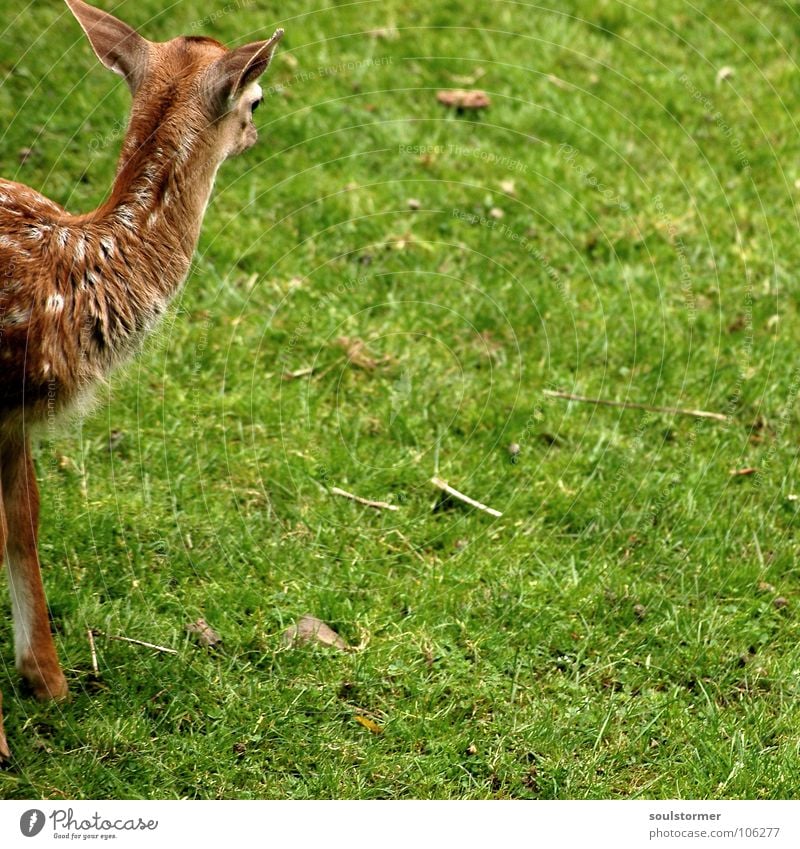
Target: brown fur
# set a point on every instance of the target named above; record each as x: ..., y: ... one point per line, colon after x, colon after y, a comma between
x: 78, y: 293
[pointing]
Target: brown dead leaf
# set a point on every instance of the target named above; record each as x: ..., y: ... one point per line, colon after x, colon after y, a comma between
x: 749, y: 470
x: 308, y: 628
x: 369, y: 724
x: 464, y: 98
x: 487, y: 345
x: 358, y: 353
x: 206, y: 635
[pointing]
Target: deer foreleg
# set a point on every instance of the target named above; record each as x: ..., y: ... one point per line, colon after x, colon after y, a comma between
x: 35, y: 652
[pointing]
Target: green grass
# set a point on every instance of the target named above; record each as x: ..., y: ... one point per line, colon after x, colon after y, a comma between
x: 616, y: 632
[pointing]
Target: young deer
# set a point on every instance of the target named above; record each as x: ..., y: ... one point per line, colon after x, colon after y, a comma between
x: 79, y: 292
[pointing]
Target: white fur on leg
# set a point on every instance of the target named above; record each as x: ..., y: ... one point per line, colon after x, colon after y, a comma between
x: 21, y: 608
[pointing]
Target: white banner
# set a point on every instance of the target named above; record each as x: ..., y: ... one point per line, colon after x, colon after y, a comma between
x: 407, y: 824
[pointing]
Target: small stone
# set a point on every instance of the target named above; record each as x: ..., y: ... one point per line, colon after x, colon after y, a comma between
x: 496, y: 213
x: 514, y: 449
x: 780, y: 602
x: 508, y: 186
x: 724, y: 73
x: 414, y: 204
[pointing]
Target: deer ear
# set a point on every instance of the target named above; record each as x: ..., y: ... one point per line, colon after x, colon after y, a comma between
x: 234, y: 71
x: 118, y: 46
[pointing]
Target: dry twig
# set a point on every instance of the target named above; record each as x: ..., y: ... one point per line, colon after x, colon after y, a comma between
x: 454, y: 493
x: 378, y: 505
x: 90, y: 635
x: 632, y: 405
x: 136, y: 642
x: 301, y: 372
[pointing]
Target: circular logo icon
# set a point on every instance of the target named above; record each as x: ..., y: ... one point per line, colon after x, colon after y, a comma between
x: 31, y: 822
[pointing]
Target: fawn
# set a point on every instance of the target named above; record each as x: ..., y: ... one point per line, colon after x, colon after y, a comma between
x: 79, y: 292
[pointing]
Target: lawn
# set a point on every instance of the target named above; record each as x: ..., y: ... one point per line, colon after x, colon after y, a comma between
x: 385, y: 290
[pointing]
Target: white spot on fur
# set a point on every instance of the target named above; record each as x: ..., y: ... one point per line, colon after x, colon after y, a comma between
x: 16, y: 316
x: 125, y: 216
x: 108, y: 245
x: 45, y: 369
x: 62, y: 236
x: 55, y: 303
x: 80, y: 248
x: 143, y: 197
x: 152, y: 219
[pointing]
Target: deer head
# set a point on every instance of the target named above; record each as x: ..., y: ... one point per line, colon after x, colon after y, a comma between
x: 193, y: 82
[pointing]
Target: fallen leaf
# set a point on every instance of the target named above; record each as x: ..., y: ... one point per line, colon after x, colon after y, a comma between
x: 358, y: 354
x: 206, y: 635
x: 737, y: 324
x: 748, y: 470
x: 462, y: 99
x: 369, y: 724
x: 309, y: 628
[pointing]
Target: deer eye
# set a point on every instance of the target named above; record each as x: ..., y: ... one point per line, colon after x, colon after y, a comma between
x: 254, y: 105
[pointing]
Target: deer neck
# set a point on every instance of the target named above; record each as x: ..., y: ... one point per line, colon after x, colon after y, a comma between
x: 164, y: 181
x: 131, y: 255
